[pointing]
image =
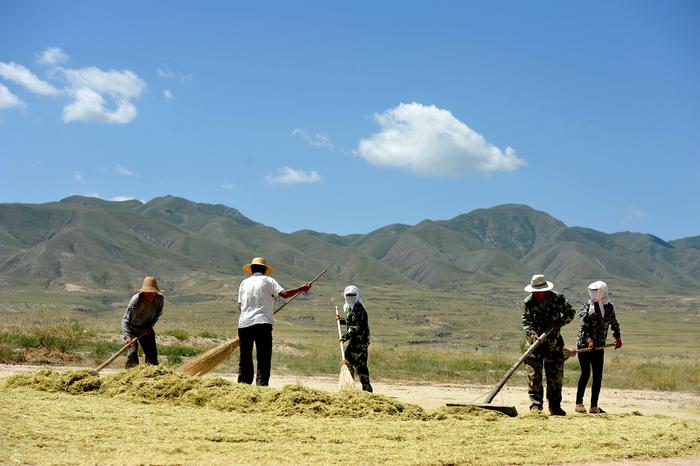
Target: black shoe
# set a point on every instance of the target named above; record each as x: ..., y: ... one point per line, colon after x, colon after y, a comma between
x: 536, y: 408
x: 556, y: 411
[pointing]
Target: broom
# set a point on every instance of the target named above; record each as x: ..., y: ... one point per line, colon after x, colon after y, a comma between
x: 345, y: 380
x: 204, y: 363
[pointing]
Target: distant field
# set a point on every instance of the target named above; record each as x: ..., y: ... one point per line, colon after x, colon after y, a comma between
x: 417, y: 333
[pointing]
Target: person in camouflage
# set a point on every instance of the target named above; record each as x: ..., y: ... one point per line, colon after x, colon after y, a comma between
x: 595, y: 317
x: 542, y: 310
x: 357, y: 334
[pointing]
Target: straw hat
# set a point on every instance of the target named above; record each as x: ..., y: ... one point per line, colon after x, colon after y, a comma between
x: 150, y: 285
x: 257, y: 261
x: 538, y: 283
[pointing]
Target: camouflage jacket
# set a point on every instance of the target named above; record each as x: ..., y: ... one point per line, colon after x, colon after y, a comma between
x: 357, y: 325
x: 594, y: 326
x: 539, y: 316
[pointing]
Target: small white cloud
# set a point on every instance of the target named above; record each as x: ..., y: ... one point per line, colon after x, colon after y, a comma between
x: 228, y: 185
x: 118, y: 84
x: 8, y: 99
x: 22, y: 76
x: 167, y: 74
x: 168, y: 94
x: 632, y: 214
x: 90, y: 106
x: 88, y: 85
x: 52, y: 56
x: 288, y: 176
x: 427, y: 140
x: 123, y: 170
x: 122, y: 198
x: 78, y: 178
x: 315, y: 139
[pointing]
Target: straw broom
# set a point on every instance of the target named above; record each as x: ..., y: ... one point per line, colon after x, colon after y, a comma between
x: 205, y: 363
x: 345, y: 380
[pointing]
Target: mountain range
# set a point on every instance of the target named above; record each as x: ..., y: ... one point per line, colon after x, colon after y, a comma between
x: 110, y: 245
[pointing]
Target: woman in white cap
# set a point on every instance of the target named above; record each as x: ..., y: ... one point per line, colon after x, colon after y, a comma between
x: 357, y: 334
x: 142, y: 313
x: 595, y: 317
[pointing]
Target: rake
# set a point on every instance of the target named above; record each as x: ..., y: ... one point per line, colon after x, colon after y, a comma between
x: 206, y: 362
x: 509, y: 410
x: 345, y: 380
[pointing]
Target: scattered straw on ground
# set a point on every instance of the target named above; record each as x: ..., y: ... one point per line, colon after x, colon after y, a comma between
x: 152, y: 384
x: 41, y: 427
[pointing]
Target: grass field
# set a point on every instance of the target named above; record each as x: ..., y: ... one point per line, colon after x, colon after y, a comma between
x: 417, y: 334
x: 151, y: 416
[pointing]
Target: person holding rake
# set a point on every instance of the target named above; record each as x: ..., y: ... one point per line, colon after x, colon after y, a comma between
x: 142, y: 313
x: 596, y: 316
x: 357, y: 334
x: 255, y: 303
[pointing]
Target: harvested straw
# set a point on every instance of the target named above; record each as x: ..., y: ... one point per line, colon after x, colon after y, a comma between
x: 345, y: 379
x: 206, y: 362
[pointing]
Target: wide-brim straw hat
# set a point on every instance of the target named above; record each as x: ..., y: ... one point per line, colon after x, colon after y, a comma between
x: 257, y: 261
x: 150, y: 285
x: 538, y: 283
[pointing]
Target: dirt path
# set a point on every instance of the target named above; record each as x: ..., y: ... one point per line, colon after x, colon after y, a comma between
x: 433, y: 396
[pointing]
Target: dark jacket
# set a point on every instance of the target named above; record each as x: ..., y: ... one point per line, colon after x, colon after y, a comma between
x: 594, y: 326
x: 357, y: 325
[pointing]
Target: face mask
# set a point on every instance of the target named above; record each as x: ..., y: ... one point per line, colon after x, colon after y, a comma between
x: 593, y: 294
x: 351, y: 300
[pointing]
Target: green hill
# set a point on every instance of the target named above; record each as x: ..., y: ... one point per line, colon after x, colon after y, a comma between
x: 112, y: 245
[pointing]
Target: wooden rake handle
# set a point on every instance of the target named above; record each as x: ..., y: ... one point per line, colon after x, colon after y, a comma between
x: 115, y: 355
x: 292, y: 298
x: 340, y: 334
x: 492, y: 394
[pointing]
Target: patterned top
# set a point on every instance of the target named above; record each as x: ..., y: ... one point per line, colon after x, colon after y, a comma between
x: 357, y: 325
x: 539, y: 316
x: 595, y: 326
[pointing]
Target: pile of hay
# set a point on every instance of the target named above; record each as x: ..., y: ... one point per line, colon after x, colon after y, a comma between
x: 156, y: 384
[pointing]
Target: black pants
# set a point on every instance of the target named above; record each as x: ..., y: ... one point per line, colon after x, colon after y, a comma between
x: 150, y: 351
x: 587, y: 361
x: 261, y: 335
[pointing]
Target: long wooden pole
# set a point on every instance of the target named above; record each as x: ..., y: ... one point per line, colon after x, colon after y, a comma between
x: 116, y: 355
x: 492, y: 394
x: 292, y: 298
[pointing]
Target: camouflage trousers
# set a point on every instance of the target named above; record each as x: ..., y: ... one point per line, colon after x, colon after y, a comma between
x: 553, y: 363
x: 356, y: 356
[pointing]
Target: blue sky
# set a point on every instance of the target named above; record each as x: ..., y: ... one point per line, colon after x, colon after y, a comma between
x: 344, y: 117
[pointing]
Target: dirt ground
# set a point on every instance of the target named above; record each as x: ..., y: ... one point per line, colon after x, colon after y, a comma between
x: 433, y: 396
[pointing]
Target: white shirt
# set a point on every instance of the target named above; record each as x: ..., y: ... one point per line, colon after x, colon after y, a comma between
x: 256, y: 297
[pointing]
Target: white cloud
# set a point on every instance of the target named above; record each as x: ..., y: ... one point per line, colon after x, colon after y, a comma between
x: 427, y: 140
x: 315, y: 139
x: 88, y: 85
x: 117, y: 84
x: 122, y: 198
x: 168, y: 94
x: 123, y: 170
x: 632, y: 214
x: 90, y: 106
x: 288, y: 176
x: 52, y: 56
x: 228, y: 185
x: 8, y: 99
x: 78, y: 178
x: 167, y: 74
x: 22, y: 76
